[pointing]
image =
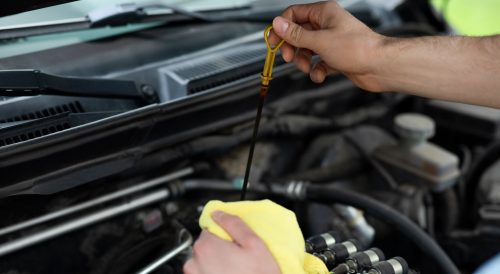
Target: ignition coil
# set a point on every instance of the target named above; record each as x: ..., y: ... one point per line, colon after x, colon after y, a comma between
x: 364, y: 260
x: 396, y: 265
x: 340, y: 269
x: 321, y: 242
x: 338, y: 253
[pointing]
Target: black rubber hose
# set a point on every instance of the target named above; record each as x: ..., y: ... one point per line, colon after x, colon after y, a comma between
x: 387, y: 214
x: 329, y: 173
x: 447, y: 210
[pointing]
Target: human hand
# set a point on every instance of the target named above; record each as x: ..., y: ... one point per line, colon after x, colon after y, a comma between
x: 343, y: 43
x: 247, y: 253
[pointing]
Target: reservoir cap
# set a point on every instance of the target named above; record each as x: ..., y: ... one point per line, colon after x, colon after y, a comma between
x: 413, y: 127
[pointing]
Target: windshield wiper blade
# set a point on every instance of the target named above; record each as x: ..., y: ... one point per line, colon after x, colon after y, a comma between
x: 122, y: 14
x: 35, y: 82
x: 119, y: 15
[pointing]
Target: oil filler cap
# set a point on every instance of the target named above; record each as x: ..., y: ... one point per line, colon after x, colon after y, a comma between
x: 414, y: 128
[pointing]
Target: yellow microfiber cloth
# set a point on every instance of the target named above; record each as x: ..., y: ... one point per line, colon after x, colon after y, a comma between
x: 275, y: 225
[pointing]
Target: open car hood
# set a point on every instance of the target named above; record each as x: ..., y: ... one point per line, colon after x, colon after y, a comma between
x: 13, y: 7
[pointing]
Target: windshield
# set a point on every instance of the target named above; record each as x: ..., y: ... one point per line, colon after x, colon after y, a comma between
x: 81, y: 8
x: 76, y: 12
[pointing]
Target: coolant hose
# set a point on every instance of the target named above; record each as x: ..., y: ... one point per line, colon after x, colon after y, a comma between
x: 329, y: 195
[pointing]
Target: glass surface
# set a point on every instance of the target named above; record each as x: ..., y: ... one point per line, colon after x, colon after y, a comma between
x: 77, y: 11
x: 80, y: 8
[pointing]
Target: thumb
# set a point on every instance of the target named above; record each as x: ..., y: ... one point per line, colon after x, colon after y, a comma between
x: 237, y: 229
x: 294, y: 34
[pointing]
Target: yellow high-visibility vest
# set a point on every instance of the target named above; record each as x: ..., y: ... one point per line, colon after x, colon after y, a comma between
x: 471, y: 17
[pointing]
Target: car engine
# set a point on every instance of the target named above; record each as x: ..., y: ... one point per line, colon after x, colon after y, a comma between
x: 380, y: 183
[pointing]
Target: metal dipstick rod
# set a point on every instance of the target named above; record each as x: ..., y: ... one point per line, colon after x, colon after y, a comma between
x: 265, y: 77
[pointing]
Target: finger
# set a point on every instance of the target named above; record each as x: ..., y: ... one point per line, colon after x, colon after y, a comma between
x: 295, y: 34
x: 305, y: 13
x: 190, y: 267
x: 287, y: 52
x: 237, y: 229
x: 206, y: 242
x: 273, y: 39
x: 201, y: 246
x: 210, y: 239
x: 320, y: 71
x: 307, y: 26
x: 303, y: 60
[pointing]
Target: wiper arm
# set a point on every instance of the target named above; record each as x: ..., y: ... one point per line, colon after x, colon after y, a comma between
x: 118, y: 15
x: 34, y: 82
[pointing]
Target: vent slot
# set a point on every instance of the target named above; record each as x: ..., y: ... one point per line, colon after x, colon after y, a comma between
x: 28, y: 135
x: 212, y: 71
x: 71, y: 107
x: 38, y: 123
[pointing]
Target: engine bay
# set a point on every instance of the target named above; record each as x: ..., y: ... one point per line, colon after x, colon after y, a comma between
x: 118, y: 185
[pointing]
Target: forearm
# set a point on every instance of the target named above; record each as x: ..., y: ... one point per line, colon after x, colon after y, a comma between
x: 463, y: 69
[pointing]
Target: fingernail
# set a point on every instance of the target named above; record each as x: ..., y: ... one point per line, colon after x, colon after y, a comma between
x: 216, y: 215
x: 314, y: 76
x: 282, y: 25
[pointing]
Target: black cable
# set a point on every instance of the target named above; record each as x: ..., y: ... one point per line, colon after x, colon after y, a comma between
x: 391, y: 182
x: 430, y: 214
x: 329, y: 173
x: 465, y: 166
x: 303, y: 100
x: 387, y: 214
